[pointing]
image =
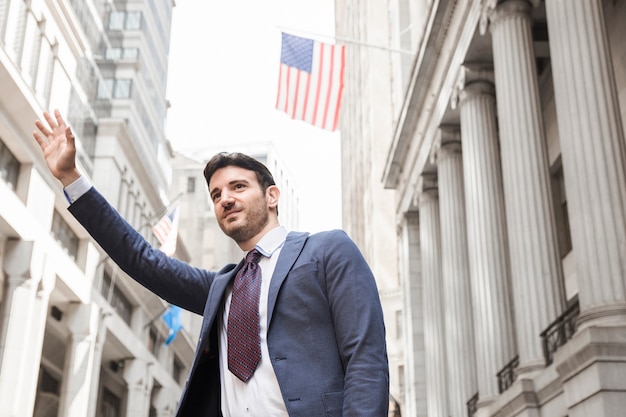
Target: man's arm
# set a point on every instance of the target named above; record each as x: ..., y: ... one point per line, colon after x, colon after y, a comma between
x: 359, y: 327
x: 168, y: 277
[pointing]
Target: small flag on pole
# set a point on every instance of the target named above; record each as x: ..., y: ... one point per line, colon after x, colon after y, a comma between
x: 166, y: 231
x: 172, y: 319
x: 310, y: 81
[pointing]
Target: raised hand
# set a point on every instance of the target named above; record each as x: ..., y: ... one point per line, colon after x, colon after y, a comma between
x: 58, y: 146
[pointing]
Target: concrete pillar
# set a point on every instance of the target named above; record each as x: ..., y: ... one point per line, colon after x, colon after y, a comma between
x: 82, y: 322
x: 97, y: 365
x: 138, y: 376
x: 591, y: 364
x: 456, y: 275
x: 433, y: 301
x: 535, y: 264
x: 24, y: 306
x: 164, y: 402
x: 415, y: 380
x: 486, y: 230
x: 593, y: 153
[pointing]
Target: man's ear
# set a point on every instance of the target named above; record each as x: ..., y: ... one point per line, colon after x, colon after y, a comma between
x: 272, y: 194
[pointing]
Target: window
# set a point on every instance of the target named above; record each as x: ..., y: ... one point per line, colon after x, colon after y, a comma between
x: 123, y: 20
x: 47, y: 397
x: 133, y: 20
x: 121, y: 89
x: 153, y: 342
x: 116, y: 20
x: 114, y: 88
x: 122, y: 53
x: 399, y: 324
x: 48, y: 383
x: 191, y: 184
x: 560, y: 210
x: 9, y: 166
x: 64, y: 235
x: 116, y: 298
x: 110, y: 405
x: 177, y: 370
x: 401, y: 379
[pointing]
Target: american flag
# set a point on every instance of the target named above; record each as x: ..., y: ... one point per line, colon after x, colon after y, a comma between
x: 166, y: 231
x: 310, y: 81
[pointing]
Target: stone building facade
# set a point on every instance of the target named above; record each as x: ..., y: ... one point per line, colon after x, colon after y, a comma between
x: 79, y: 338
x: 507, y: 156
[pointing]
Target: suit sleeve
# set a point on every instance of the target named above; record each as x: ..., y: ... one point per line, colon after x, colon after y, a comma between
x: 169, y: 278
x: 360, y: 331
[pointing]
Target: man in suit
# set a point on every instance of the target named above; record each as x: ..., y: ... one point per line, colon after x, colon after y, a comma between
x: 318, y: 337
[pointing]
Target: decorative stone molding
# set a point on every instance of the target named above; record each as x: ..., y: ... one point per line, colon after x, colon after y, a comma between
x: 473, y: 75
x: 523, y: 397
x: 448, y: 137
x: 491, y: 10
x: 594, y: 344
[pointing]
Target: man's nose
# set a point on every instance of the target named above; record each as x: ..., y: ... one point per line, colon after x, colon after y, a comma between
x: 226, y: 198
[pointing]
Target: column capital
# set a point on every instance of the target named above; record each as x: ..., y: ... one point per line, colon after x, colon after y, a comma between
x: 23, y: 259
x: 428, y: 187
x: 496, y: 9
x: 447, y: 142
x: 479, y: 76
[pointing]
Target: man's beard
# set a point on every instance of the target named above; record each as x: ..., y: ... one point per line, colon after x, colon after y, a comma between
x: 253, y: 224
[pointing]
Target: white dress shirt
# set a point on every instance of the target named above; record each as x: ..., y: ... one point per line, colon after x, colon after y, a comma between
x: 260, y: 396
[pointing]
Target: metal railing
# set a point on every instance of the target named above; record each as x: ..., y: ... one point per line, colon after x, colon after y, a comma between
x: 560, y: 331
x: 472, y: 405
x: 507, y: 376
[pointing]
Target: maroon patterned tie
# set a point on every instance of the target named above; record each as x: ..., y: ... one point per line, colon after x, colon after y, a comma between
x: 244, y: 326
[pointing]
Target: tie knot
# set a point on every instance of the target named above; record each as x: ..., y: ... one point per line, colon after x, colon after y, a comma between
x: 253, y: 256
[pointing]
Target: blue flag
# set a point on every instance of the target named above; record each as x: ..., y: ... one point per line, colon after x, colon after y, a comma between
x: 172, y: 319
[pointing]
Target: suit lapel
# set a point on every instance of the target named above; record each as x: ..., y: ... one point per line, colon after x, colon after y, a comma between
x: 216, y: 294
x: 288, y: 254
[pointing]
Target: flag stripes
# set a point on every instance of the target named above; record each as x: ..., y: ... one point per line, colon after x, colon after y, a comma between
x: 310, y: 81
x: 166, y: 231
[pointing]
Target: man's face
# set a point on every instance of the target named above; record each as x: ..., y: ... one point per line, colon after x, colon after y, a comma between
x: 240, y: 205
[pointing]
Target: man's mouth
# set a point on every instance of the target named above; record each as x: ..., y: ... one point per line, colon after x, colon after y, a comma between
x: 230, y: 214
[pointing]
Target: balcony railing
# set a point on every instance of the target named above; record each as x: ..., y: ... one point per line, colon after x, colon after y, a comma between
x: 560, y: 331
x: 472, y: 405
x: 507, y: 375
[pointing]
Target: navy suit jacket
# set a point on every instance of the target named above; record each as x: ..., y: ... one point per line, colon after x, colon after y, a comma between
x: 326, y: 336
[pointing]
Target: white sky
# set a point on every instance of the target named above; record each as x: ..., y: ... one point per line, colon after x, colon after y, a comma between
x: 223, y: 72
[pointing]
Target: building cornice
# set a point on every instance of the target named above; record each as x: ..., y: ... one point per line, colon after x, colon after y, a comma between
x: 424, y: 67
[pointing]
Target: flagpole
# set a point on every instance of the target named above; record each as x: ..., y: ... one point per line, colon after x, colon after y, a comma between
x: 343, y: 40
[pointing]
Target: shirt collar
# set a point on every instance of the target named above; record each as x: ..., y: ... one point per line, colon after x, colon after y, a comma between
x: 272, y: 241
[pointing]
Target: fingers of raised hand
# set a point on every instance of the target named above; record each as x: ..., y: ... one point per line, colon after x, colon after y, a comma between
x: 42, y: 128
x: 42, y: 143
x: 57, y: 115
x: 51, y: 120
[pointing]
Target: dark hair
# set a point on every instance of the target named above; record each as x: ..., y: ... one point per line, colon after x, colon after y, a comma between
x: 225, y: 159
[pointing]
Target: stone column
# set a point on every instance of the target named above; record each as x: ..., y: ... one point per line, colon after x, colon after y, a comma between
x: 535, y: 264
x: 97, y: 364
x: 24, y: 308
x: 433, y: 301
x: 79, y: 360
x: 486, y: 230
x: 164, y: 402
x: 415, y: 379
x: 456, y: 275
x: 138, y: 376
x: 593, y: 153
x: 591, y: 364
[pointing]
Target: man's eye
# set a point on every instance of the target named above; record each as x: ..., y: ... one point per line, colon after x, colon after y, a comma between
x: 215, y: 197
x: 239, y: 186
